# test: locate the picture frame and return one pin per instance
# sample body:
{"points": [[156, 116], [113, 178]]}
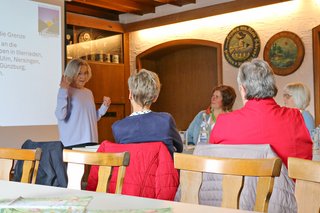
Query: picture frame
{"points": [[284, 52]]}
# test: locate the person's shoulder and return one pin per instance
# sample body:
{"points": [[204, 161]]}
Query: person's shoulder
{"points": [[289, 111], [81, 91], [306, 113], [292, 115], [307, 116], [119, 123], [87, 90], [231, 114], [162, 115], [200, 113]]}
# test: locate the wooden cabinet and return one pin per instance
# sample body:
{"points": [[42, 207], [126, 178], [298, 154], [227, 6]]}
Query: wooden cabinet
{"points": [[94, 44], [105, 47]]}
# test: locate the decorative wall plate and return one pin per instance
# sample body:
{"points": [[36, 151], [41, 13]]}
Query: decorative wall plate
{"points": [[284, 52], [241, 44], [84, 36]]}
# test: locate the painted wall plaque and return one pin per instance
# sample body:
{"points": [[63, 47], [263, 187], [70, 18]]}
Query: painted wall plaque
{"points": [[241, 44], [284, 52]]}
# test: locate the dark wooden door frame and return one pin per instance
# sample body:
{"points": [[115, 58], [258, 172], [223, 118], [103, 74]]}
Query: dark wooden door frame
{"points": [[316, 70], [181, 43]]}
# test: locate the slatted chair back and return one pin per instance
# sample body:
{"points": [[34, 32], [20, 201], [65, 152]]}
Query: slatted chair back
{"points": [[307, 189], [30, 158], [233, 171], [106, 161]]}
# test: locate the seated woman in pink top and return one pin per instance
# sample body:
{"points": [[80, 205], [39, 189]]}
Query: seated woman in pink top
{"points": [[261, 120]]}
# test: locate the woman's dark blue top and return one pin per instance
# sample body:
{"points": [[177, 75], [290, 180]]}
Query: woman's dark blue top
{"points": [[149, 127]]}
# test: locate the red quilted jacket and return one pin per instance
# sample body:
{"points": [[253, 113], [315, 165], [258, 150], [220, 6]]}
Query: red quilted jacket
{"points": [[150, 173]]}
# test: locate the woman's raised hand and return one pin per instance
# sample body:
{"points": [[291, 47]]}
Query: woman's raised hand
{"points": [[64, 83], [106, 101]]}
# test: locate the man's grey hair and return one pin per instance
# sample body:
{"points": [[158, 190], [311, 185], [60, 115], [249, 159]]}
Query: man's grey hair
{"points": [[258, 79], [300, 94], [145, 87]]}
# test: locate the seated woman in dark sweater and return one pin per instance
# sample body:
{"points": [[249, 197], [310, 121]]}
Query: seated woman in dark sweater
{"points": [[144, 125]]}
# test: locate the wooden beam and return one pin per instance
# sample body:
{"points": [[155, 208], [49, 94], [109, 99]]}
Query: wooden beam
{"points": [[91, 11], [213, 10], [125, 6], [92, 22], [181, 2]]}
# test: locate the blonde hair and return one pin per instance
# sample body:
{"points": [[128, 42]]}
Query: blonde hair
{"points": [[300, 94], [145, 87], [74, 66]]}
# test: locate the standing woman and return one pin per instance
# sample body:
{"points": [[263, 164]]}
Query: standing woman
{"points": [[76, 111], [222, 101], [297, 95]]}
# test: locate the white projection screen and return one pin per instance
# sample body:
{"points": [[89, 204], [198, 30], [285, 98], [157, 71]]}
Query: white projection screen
{"points": [[31, 62]]}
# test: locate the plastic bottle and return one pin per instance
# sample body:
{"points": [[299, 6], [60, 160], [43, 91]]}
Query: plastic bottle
{"points": [[204, 130]]}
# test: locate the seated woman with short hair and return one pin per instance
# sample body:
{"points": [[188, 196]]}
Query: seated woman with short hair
{"points": [[297, 95], [144, 125]]}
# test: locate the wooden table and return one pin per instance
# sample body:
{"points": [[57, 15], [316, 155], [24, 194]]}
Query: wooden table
{"points": [[103, 201]]}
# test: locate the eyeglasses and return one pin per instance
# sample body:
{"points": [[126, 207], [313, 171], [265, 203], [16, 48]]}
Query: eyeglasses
{"points": [[287, 96]]}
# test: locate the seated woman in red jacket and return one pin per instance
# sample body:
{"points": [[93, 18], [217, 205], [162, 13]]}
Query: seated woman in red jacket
{"points": [[144, 125], [151, 171], [262, 120]]}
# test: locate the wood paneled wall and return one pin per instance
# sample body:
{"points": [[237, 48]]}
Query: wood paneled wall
{"points": [[187, 73]]}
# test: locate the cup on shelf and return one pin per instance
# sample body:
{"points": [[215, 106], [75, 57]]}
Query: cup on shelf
{"points": [[101, 56], [108, 58], [115, 59]]}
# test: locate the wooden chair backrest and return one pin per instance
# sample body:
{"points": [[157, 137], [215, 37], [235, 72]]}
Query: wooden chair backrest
{"points": [[106, 161], [192, 166], [307, 189], [30, 158]]}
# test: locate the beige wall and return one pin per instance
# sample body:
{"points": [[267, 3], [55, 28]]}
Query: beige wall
{"points": [[298, 16], [15, 136]]}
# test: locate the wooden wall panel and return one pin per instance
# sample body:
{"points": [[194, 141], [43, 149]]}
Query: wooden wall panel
{"points": [[115, 112], [187, 77], [107, 80]]}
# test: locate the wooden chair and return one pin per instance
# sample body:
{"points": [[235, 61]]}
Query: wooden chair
{"points": [[78, 159], [31, 160], [192, 166], [307, 190]]}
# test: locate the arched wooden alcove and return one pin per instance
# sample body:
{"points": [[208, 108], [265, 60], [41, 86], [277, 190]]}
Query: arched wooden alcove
{"points": [[188, 70]]}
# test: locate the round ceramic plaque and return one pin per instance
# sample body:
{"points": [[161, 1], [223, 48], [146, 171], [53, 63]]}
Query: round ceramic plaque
{"points": [[84, 36], [241, 44], [284, 52]]}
